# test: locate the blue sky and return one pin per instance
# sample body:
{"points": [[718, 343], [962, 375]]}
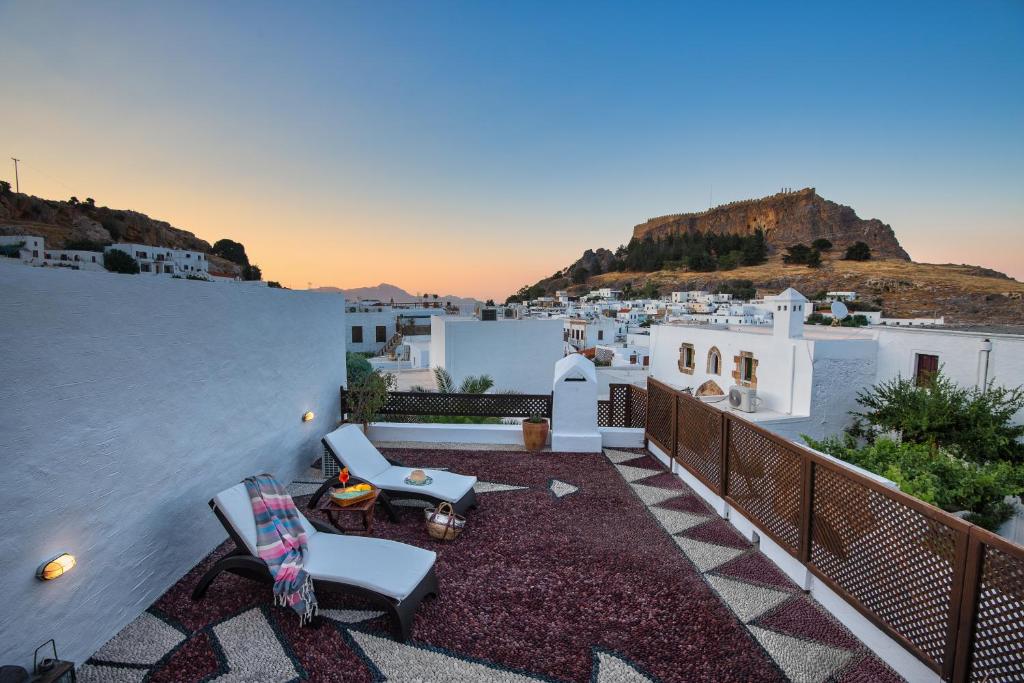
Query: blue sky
{"points": [[471, 148]]}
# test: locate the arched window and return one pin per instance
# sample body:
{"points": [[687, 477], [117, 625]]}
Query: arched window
{"points": [[714, 361]]}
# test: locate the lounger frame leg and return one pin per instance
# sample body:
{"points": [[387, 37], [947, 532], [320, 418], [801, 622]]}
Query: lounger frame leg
{"points": [[389, 508], [237, 562], [402, 614]]}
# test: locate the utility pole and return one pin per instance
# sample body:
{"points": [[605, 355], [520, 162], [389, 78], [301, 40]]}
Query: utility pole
{"points": [[17, 185]]}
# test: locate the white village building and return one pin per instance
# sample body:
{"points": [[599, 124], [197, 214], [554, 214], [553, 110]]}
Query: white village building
{"points": [[32, 251], [806, 378], [165, 261]]}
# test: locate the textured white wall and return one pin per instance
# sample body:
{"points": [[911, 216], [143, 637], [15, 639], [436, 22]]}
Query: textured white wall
{"points": [[517, 354], [126, 403]]}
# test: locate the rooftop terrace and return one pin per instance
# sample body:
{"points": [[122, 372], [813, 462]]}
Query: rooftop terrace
{"points": [[575, 567]]}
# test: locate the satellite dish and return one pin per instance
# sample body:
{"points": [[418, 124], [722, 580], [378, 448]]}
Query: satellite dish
{"points": [[839, 310]]}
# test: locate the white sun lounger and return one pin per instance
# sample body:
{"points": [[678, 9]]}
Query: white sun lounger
{"points": [[394, 575], [350, 447]]}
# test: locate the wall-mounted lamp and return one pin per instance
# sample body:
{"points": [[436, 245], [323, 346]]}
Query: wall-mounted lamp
{"points": [[308, 416], [58, 566]]}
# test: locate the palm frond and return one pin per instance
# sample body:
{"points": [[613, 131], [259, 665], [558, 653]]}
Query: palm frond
{"points": [[444, 381]]}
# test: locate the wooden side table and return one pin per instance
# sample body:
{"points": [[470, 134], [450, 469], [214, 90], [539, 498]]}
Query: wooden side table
{"points": [[363, 508]]}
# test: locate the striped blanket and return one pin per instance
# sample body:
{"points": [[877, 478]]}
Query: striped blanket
{"points": [[281, 543]]}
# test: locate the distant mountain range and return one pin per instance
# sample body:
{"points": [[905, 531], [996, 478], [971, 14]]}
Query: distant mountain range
{"points": [[386, 292]]}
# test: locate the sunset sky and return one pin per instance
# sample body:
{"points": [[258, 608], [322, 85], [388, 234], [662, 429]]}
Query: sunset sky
{"points": [[471, 148]]}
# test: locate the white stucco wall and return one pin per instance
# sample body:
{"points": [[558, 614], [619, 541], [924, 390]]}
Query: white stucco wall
{"points": [[960, 356], [807, 386], [126, 403], [517, 354], [779, 361]]}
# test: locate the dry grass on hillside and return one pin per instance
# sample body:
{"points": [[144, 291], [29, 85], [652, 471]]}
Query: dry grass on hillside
{"points": [[962, 293]]}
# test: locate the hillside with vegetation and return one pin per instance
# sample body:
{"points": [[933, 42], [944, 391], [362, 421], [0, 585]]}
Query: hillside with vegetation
{"points": [[83, 224], [798, 240]]}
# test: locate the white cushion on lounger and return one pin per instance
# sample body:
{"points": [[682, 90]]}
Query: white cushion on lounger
{"points": [[382, 566], [355, 451], [234, 504], [387, 567], [445, 485]]}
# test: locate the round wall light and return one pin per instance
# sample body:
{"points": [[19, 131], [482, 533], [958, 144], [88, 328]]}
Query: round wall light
{"points": [[58, 566], [308, 416]]}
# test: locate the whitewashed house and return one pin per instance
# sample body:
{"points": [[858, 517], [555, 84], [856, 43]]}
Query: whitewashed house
{"points": [[165, 261], [33, 252], [807, 377], [373, 325], [588, 332]]}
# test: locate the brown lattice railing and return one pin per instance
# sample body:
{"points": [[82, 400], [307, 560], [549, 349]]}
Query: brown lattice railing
{"points": [[626, 407], [950, 592], [466, 405]]}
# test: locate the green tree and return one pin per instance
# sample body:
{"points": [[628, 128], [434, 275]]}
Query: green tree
{"points": [[743, 290], [822, 244], [701, 262], [368, 396], [117, 261], [252, 272], [579, 275], [976, 423], [858, 251], [649, 291], [356, 367], [489, 302], [231, 250], [754, 250], [274, 284], [5, 187], [801, 254]]}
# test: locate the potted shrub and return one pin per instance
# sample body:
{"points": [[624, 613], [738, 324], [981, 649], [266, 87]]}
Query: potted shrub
{"points": [[367, 397], [535, 432]]}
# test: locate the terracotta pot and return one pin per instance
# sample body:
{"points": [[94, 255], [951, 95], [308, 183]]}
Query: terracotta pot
{"points": [[535, 435]]}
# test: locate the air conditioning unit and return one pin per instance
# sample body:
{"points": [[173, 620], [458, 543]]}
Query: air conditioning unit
{"points": [[743, 398]]}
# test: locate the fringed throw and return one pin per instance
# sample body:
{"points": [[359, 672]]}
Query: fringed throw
{"points": [[281, 543]]}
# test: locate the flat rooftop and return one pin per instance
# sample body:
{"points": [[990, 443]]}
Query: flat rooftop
{"points": [[575, 567]]}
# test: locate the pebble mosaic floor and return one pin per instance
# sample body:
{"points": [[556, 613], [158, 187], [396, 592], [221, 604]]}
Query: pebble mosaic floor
{"points": [[575, 567]]}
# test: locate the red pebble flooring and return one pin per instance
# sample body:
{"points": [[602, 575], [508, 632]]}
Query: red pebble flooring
{"points": [[594, 571]]}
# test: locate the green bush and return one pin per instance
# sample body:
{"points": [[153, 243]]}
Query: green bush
{"points": [[801, 254], [822, 244], [858, 251], [11, 250], [117, 261], [356, 367], [740, 289], [936, 476], [367, 396], [975, 423]]}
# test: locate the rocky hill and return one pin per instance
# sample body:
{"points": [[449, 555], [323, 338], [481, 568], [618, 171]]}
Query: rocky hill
{"points": [[786, 218], [964, 294], [73, 222]]}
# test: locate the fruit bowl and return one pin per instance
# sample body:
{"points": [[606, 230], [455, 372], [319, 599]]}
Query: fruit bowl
{"points": [[351, 495]]}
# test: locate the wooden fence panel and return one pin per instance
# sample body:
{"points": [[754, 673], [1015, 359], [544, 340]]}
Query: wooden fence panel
{"points": [[947, 590], [699, 441], [765, 481]]}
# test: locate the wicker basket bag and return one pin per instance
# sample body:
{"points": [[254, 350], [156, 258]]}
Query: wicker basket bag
{"points": [[442, 522]]}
